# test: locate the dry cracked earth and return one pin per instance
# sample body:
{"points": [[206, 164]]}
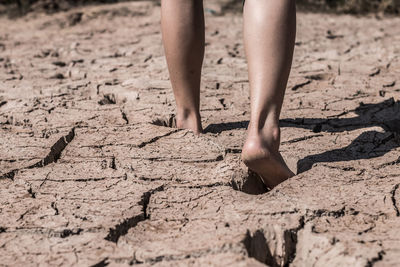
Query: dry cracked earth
{"points": [[92, 174]]}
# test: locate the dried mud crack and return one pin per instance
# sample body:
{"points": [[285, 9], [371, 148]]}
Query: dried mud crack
{"points": [[394, 199], [154, 139], [376, 259], [122, 228], [257, 247], [55, 152]]}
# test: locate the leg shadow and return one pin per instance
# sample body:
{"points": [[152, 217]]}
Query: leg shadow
{"points": [[226, 126], [371, 144]]}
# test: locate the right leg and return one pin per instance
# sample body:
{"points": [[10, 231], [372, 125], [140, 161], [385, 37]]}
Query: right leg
{"points": [[269, 34], [182, 24]]}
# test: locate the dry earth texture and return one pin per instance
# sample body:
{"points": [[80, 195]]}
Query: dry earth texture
{"points": [[92, 174]]}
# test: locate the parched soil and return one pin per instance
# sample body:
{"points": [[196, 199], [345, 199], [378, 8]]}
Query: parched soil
{"points": [[92, 174]]}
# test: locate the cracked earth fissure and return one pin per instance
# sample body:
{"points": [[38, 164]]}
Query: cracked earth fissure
{"points": [[394, 199], [122, 228], [376, 259], [258, 247], [55, 152], [154, 139]]}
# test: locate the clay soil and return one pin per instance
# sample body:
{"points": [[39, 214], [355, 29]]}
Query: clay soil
{"points": [[92, 174]]}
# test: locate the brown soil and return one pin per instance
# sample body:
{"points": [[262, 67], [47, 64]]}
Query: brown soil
{"points": [[92, 174]]}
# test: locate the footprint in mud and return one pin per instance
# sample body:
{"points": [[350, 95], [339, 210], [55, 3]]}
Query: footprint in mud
{"points": [[108, 99], [167, 121], [249, 182]]}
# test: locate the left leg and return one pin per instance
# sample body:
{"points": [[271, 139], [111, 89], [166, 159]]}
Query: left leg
{"points": [[182, 24]]}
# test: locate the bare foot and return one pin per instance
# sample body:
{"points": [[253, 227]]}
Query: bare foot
{"points": [[190, 121], [266, 162]]}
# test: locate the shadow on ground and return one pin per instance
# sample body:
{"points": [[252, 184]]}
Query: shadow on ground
{"points": [[370, 144]]}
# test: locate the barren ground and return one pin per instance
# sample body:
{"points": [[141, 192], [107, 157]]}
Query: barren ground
{"points": [[92, 174]]}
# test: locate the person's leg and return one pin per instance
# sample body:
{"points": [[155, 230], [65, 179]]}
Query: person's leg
{"points": [[269, 35], [182, 24]]}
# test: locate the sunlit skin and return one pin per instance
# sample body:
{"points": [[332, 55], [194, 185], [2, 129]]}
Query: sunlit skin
{"points": [[269, 34], [182, 23]]}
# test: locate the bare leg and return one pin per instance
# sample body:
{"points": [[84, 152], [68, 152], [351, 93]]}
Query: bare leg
{"points": [[269, 34], [182, 24]]}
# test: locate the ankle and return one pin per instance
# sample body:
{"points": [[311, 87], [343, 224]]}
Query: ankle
{"points": [[189, 119], [268, 130], [267, 136], [187, 114]]}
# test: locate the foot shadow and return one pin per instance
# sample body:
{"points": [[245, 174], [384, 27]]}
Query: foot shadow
{"points": [[385, 114], [370, 144], [226, 126]]}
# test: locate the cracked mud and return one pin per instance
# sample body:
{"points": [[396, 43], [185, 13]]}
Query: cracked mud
{"points": [[94, 174]]}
